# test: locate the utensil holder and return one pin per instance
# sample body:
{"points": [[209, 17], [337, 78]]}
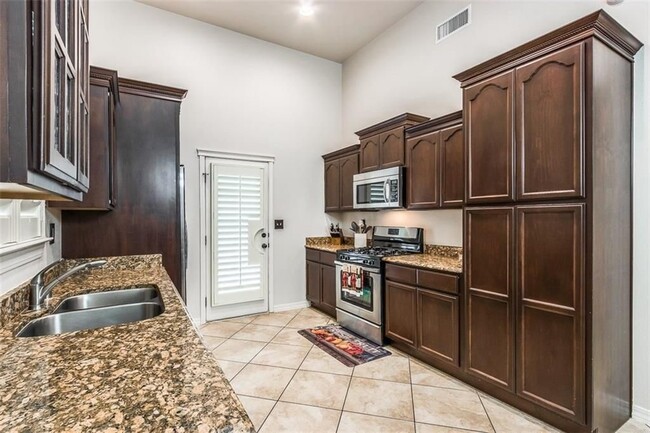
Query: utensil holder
{"points": [[360, 240]]}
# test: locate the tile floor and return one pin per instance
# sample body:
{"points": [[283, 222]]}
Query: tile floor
{"points": [[287, 384]]}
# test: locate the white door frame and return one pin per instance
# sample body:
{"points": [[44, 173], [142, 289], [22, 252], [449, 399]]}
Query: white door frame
{"points": [[204, 156]]}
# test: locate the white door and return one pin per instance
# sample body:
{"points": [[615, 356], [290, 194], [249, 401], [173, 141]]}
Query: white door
{"points": [[238, 238]]}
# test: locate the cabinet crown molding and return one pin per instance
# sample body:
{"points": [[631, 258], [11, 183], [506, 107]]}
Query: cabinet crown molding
{"points": [[106, 78], [350, 150], [406, 119], [442, 122], [151, 90], [598, 24]]}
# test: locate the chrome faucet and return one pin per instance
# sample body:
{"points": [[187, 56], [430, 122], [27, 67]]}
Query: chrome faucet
{"points": [[38, 292]]}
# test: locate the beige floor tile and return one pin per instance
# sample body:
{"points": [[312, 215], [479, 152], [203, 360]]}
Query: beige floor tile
{"points": [[262, 381], [291, 336], [318, 360], [296, 418], [254, 332], [394, 368], [307, 321], [358, 423], [317, 389], [428, 428], [281, 355], [237, 350], [450, 408], [423, 375], [311, 312], [509, 420], [221, 329], [230, 368], [273, 319], [634, 426], [378, 397], [212, 342], [240, 319], [257, 408]]}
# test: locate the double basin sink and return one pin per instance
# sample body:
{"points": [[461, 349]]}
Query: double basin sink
{"points": [[97, 310]]}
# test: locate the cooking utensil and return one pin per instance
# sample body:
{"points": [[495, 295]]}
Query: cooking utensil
{"points": [[355, 227], [367, 229]]}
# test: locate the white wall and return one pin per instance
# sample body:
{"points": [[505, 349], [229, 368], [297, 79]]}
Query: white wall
{"points": [[245, 95], [404, 70]]}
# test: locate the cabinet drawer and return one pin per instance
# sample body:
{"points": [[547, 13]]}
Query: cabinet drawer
{"points": [[437, 281], [400, 274], [313, 255], [327, 258]]}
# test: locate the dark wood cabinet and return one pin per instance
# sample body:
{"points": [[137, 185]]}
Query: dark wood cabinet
{"points": [[401, 304], [489, 295], [435, 172], [547, 274], [103, 97], [549, 115], [383, 144], [321, 280], [422, 312], [147, 219], [340, 167], [44, 62], [489, 147]]}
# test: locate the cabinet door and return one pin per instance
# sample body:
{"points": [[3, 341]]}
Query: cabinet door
{"points": [[328, 289], [438, 325], [489, 295], [369, 154], [332, 185], [549, 122], [423, 159], [489, 143], [83, 75], [313, 282], [391, 148], [550, 284], [349, 167], [452, 167], [401, 321]]}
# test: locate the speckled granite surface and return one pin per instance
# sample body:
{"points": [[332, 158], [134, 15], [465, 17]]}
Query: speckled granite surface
{"points": [[325, 244], [436, 257], [150, 376]]}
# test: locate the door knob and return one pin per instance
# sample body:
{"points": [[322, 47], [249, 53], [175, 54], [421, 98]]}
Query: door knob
{"points": [[263, 235], [265, 246]]}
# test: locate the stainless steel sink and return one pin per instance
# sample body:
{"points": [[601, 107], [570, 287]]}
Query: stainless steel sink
{"points": [[108, 299], [97, 310]]}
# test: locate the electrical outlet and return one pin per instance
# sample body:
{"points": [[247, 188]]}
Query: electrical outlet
{"points": [[279, 224], [52, 233]]}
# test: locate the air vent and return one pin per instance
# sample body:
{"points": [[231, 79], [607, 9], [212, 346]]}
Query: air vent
{"points": [[453, 24]]}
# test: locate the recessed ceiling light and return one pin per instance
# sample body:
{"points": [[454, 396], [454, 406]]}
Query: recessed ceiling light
{"points": [[306, 10]]}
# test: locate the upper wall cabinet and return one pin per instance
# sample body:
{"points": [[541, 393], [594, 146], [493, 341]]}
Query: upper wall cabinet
{"points": [[340, 167], [382, 145], [46, 116], [435, 172]]}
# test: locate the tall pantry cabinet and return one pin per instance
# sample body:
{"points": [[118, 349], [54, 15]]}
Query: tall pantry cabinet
{"points": [[548, 225]]}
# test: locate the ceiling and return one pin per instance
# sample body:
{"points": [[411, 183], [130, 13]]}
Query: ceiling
{"points": [[336, 30]]}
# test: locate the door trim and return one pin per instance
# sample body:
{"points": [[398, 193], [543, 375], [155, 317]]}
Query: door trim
{"points": [[204, 156]]}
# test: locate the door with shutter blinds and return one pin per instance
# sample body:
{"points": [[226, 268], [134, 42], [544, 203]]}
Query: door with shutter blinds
{"points": [[239, 239]]}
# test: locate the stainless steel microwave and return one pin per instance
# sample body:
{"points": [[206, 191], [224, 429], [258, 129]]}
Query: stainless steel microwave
{"points": [[379, 189]]}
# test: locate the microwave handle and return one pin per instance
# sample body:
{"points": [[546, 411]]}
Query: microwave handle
{"points": [[387, 191]]}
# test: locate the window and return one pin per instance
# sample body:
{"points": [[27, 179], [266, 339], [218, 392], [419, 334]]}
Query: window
{"points": [[22, 223]]}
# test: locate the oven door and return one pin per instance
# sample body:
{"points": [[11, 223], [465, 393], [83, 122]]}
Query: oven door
{"points": [[359, 293], [375, 190]]}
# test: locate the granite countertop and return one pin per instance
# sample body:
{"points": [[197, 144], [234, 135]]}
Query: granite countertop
{"points": [[429, 261], [150, 376], [325, 244]]}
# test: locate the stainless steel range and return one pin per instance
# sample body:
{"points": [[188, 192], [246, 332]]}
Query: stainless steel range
{"points": [[360, 279]]}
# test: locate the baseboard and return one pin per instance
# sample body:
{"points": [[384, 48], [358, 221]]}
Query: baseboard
{"points": [[641, 414], [290, 306]]}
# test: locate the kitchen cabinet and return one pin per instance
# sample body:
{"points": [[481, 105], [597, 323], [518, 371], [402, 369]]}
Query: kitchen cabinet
{"points": [[340, 167], [435, 172], [321, 280], [103, 97], [547, 238], [147, 219], [422, 312], [383, 144], [46, 128]]}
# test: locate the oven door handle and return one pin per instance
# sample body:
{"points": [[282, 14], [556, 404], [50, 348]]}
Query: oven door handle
{"points": [[369, 270]]}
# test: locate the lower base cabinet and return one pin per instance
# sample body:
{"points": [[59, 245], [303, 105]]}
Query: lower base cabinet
{"points": [[321, 280], [422, 311]]}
